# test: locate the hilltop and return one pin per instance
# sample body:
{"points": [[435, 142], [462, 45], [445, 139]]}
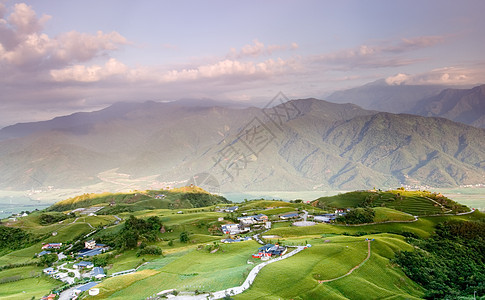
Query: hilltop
{"points": [[418, 203], [177, 198]]}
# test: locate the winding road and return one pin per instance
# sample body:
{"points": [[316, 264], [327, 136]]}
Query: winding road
{"points": [[247, 283]]}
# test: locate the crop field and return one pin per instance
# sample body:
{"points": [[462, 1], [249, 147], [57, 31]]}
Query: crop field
{"points": [[384, 214], [27, 288], [298, 276], [417, 203], [206, 271], [21, 256]]}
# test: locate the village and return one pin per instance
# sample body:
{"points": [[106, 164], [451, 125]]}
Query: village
{"points": [[77, 269]]}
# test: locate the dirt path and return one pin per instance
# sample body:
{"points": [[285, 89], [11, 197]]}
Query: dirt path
{"points": [[353, 269]]}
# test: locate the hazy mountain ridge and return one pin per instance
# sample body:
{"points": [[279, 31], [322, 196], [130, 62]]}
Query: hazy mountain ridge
{"points": [[460, 105], [322, 144], [381, 96]]}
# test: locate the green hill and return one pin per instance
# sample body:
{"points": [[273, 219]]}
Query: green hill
{"points": [[179, 198], [418, 203]]}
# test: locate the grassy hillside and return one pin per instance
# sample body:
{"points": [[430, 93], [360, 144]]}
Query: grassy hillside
{"points": [[186, 197], [298, 277], [321, 271], [419, 203]]}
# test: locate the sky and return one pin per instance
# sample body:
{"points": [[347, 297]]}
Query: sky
{"points": [[60, 57]]}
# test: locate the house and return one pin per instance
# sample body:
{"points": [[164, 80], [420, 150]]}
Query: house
{"points": [[267, 225], [326, 218], [91, 244], [246, 221], [43, 253], [230, 209], [231, 228], [52, 246], [289, 216], [270, 250], [88, 252], [83, 264], [97, 273], [85, 287], [49, 271], [49, 297]]}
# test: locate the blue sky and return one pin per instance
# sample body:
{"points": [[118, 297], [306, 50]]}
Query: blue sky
{"points": [[58, 57]]}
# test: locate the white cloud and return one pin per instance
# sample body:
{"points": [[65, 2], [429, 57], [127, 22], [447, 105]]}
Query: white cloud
{"points": [[398, 79], [22, 43], [93, 73], [443, 76], [258, 49]]}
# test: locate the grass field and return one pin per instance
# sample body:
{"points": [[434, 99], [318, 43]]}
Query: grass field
{"points": [[383, 214], [28, 288], [189, 270], [423, 227], [419, 203], [297, 277]]}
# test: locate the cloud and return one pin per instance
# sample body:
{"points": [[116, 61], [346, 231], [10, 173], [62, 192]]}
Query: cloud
{"points": [[258, 49], [93, 73], [378, 56], [409, 44], [441, 76], [398, 79], [23, 46]]}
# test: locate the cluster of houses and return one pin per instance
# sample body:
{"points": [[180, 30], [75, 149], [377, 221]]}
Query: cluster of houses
{"points": [[270, 250], [245, 223], [91, 248]]}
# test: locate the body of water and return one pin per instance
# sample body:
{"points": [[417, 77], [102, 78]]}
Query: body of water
{"points": [[14, 204]]}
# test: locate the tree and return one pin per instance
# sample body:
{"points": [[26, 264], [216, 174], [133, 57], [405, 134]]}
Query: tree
{"points": [[184, 237]]}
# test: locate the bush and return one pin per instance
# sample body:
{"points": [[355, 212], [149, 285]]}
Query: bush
{"points": [[50, 218], [150, 250]]}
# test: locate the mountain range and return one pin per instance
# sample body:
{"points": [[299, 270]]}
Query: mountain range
{"points": [[460, 105], [301, 144]]}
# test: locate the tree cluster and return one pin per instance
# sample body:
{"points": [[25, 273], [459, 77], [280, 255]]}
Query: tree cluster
{"points": [[50, 218], [151, 250], [135, 229], [358, 216], [203, 199], [13, 238], [449, 264]]}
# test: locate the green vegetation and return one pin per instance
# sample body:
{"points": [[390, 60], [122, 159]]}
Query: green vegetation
{"points": [[186, 197], [13, 238], [451, 263], [183, 250], [358, 216], [49, 218], [298, 277], [419, 203], [28, 288]]}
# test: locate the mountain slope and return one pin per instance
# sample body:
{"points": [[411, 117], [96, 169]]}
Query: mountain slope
{"points": [[380, 96], [299, 145], [460, 105]]}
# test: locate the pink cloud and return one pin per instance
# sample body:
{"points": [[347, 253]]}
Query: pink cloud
{"points": [[22, 43]]}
